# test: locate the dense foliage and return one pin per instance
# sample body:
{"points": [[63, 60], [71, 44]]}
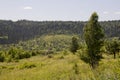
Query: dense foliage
{"points": [[112, 46], [47, 42], [13, 32], [74, 45], [93, 35]]}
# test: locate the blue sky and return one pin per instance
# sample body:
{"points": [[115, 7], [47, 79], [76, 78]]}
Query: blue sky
{"points": [[65, 10]]}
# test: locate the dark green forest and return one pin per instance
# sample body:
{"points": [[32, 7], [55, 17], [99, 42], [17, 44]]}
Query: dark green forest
{"points": [[22, 30]]}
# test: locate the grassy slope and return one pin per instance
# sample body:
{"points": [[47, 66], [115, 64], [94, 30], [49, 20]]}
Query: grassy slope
{"points": [[60, 67]]}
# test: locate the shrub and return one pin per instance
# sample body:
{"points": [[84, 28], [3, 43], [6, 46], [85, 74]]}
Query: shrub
{"points": [[74, 45], [2, 58], [8, 58], [83, 55], [65, 52], [18, 55], [50, 52], [33, 53], [50, 56], [61, 57], [15, 53], [26, 54], [26, 65]]}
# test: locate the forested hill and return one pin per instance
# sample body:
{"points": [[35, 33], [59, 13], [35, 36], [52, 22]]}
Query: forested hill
{"points": [[13, 32]]}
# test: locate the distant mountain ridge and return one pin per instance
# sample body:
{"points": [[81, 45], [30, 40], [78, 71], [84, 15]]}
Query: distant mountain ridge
{"points": [[13, 32]]}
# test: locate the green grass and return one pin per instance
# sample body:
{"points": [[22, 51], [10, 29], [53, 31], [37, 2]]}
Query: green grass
{"points": [[57, 68]]}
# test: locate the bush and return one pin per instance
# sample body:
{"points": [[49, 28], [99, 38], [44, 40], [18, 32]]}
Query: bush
{"points": [[50, 56], [15, 54], [83, 55], [26, 54], [18, 55], [65, 52], [8, 58], [26, 65], [2, 58], [22, 55], [61, 57], [33, 53], [74, 45], [50, 52]]}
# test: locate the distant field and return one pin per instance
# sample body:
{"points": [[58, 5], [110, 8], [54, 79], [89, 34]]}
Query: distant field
{"points": [[61, 66]]}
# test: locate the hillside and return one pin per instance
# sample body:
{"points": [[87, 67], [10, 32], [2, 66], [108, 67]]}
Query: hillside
{"points": [[34, 50], [13, 32], [45, 42]]}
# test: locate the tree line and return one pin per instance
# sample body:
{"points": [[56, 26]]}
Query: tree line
{"points": [[13, 32]]}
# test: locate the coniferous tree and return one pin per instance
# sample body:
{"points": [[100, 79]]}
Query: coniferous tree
{"points": [[93, 35]]}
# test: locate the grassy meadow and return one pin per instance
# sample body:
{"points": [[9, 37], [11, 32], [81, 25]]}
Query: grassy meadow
{"points": [[60, 66]]}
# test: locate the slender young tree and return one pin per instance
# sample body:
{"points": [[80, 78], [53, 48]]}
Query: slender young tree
{"points": [[93, 35], [113, 46], [75, 45]]}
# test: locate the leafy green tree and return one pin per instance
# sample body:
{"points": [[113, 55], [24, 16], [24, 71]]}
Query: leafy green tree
{"points": [[93, 35], [75, 45], [113, 46]]}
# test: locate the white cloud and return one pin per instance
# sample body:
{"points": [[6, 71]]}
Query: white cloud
{"points": [[28, 8], [105, 12], [117, 12]]}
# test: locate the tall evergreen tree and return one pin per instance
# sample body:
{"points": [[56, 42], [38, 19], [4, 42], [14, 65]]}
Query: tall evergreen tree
{"points": [[93, 35]]}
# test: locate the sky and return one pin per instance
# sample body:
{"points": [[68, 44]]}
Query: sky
{"points": [[60, 10]]}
